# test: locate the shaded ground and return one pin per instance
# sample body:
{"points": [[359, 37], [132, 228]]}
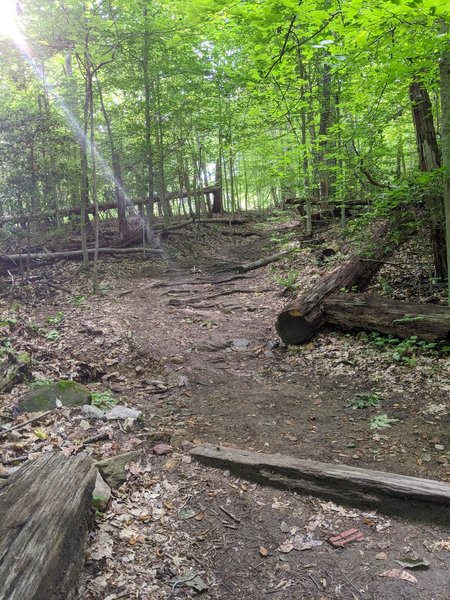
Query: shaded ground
{"points": [[196, 354]]}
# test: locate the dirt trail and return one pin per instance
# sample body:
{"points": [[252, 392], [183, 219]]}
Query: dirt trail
{"points": [[234, 387]]}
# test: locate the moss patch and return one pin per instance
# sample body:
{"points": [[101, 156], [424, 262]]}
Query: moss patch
{"points": [[44, 397]]}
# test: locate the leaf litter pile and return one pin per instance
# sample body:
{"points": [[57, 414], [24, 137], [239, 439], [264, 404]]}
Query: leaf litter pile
{"points": [[173, 528]]}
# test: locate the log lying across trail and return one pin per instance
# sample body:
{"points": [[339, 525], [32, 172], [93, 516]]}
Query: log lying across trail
{"points": [[303, 317], [45, 513], [353, 312], [407, 497]]}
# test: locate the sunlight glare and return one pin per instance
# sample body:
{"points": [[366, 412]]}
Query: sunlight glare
{"points": [[8, 21]]}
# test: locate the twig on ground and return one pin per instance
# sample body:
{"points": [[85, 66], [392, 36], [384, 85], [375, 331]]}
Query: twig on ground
{"points": [[5, 432], [227, 512]]}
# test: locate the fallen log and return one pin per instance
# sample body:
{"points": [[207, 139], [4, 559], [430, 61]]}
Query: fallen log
{"points": [[218, 220], [262, 262], [390, 493], [353, 312], [304, 316], [102, 207], [45, 513], [15, 260]]}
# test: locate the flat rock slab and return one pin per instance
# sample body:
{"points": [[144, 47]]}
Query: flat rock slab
{"points": [[409, 497], [45, 513], [44, 397]]}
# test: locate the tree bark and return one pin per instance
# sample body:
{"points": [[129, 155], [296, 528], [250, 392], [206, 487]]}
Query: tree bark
{"points": [[45, 514], [429, 161], [354, 312], [445, 107]]}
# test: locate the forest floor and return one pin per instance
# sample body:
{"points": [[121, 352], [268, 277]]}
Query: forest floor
{"points": [[193, 346]]}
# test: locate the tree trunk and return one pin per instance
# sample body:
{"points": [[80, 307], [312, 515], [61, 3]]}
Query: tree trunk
{"points": [[429, 160], [445, 104], [303, 317], [148, 124], [217, 195], [124, 229], [354, 312]]}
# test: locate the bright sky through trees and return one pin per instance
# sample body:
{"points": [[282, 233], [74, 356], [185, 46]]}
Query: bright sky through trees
{"points": [[8, 19]]}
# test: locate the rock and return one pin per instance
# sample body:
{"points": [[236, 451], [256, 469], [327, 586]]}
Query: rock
{"points": [[122, 412], [15, 367], [92, 412], [162, 449], [269, 354], [44, 397], [156, 435], [101, 494], [85, 424], [177, 438], [113, 470], [240, 344], [272, 344], [187, 446]]}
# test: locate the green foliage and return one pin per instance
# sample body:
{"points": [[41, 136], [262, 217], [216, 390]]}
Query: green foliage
{"points": [[53, 335], [289, 280], [78, 300], [369, 400], [103, 400], [381, 422], [407, 350], [56, 319]]}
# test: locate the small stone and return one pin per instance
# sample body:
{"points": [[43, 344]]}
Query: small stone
{"points": [[102, 494], [186, 446], [381, 556], [122, 412], [92, 412], [139, 369], [177, 360], [85, 424], [272, 344], [439, 447], [240, 344], [14, 436], [162, 449], [269, 354]]}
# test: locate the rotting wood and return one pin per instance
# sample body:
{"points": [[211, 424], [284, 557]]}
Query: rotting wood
{"points": [[14, 260], [263, 262], [408, 497], [45, 513], [353, 312], [303, 317]]}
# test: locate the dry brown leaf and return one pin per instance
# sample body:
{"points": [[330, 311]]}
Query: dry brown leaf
{"points": [[263, 551], [399, 574]]}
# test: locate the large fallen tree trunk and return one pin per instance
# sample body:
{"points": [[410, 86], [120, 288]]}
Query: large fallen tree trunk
{"points": [[102, 207], [11, 261], [45, 513], [353, 312], [303, 317], [411, 497]]}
